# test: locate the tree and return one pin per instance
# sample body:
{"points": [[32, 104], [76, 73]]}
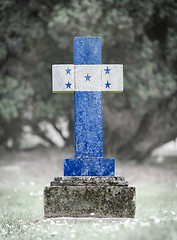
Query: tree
{"points": [[141, 35]]}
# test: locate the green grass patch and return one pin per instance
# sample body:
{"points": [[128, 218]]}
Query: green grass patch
{"points": [[21, 216]]}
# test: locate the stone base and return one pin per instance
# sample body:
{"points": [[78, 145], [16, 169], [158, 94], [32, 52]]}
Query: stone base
{"points": [[106, 197]]}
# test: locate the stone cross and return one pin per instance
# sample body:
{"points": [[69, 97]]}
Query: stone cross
{"points": [[88, 78]]}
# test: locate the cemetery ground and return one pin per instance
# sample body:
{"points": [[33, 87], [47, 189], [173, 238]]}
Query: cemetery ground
{"points": [[24, 174]]}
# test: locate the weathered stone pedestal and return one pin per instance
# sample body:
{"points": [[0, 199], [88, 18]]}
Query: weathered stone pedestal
{"points": [[89, 197]]}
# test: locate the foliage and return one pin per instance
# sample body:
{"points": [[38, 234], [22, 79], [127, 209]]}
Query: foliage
{"points": [[35, 34]]}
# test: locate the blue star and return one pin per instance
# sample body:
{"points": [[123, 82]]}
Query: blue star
{"points": [[107, 84], [68, 85], [68, 71], [107, 70], [87, 78]]}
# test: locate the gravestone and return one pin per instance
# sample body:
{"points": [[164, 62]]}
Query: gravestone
{"points": [[89, 187]]}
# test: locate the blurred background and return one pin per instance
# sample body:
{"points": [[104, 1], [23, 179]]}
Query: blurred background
{"points": [[141, 35], [37, 127]]}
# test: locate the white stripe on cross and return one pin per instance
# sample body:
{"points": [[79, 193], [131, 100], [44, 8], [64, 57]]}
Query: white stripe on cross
{"points": [[70, 78]]}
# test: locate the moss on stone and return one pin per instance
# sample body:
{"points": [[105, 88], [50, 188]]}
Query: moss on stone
{"points": [[68, 200]]}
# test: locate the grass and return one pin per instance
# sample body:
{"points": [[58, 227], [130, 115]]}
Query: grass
{"points": [[21, 206], [21, 216]]}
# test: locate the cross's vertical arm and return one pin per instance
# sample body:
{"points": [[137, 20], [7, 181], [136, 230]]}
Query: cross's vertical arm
{"points": [[88, 104]]}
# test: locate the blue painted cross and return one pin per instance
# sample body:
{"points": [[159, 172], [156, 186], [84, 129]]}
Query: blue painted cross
{"points": [[87, 78]]}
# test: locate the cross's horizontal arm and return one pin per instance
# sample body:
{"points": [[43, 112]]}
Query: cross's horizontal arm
{"points": [[70, 78]]}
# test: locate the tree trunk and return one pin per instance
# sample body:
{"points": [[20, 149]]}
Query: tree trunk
{"points": [[134, 137]]}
